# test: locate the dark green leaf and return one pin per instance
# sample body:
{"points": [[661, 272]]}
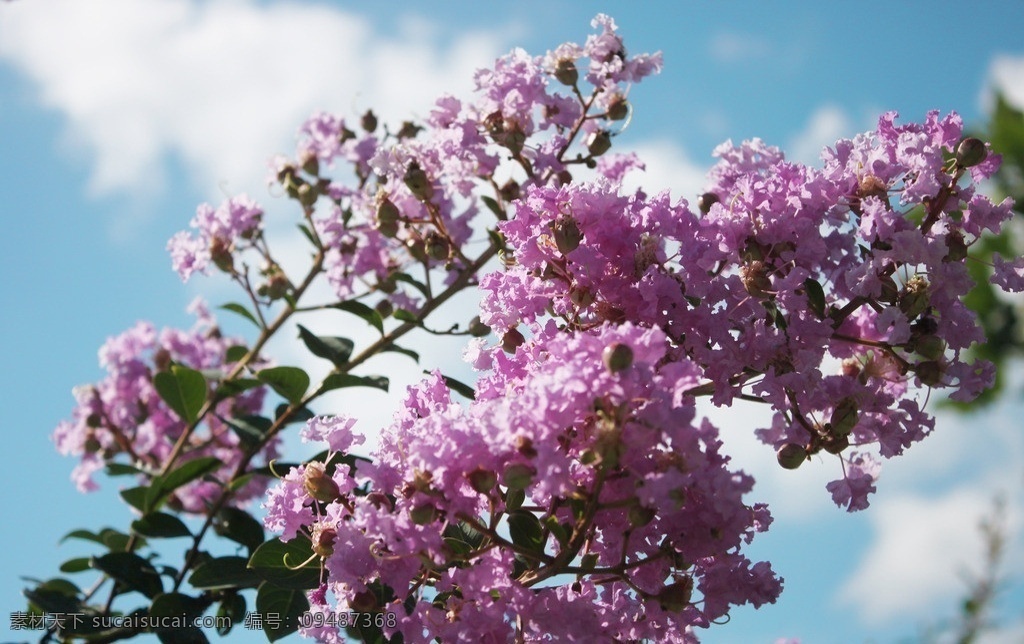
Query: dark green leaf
{"points": [[115, 540], [308, 234], [336, 349], [250, 429], [492, 205], [183, 389], [290, 382], [514, 499], [53, 601], [160, 525], [132, 571], [405, 316], [236, 352], [164, 486], [363, 311], [287, 604], [75, 565], [406, 352], [815, 296], [415, 283], [85, 535], [136, 497], [458, 387], [298, 415], [274, 561], [121, 469], [234, 387], [526, 531], [239, 526], [174, 606], [224, 572], [341, 380], [234, 307], [233, 608]]}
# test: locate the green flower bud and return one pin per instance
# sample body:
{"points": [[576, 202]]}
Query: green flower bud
{"points": [[617, 357], [384, 308], [567, 234], [518, 476], [706, 200], [512, 340], [970, 152], [422, 514], [478, 329], [930, 346], [418, 183], [618, 108], [755, 279], [676, 597], [599, 143], [566, 72], [319, 484], [369, 121], [482, 480], [930, 372], [438, 248], [639, 516], [956, 245], [791, 456]]}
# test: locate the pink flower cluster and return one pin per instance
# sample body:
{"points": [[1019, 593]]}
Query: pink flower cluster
{"points": [[579, 497], [220, 229], [592, 451], [123, 419]]}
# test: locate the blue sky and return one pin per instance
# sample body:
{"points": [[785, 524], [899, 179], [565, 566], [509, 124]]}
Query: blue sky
{"points": [[117, 118]]}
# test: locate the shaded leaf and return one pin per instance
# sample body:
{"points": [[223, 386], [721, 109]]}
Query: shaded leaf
{"points": [[287, 604], [368, 314], [224, 572], [342, 380], [160, 525], [274, 561], [132, 571], [336, 349], [290, 382], [235, 307], [239, 526], [183, 389]]}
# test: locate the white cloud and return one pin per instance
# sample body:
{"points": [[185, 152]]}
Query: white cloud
{"points": [[1006, 75], [924, 546], [220, 86], [730, 47], [668, 167], [826, 125]]}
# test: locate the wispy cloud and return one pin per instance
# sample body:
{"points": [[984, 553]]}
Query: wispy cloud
{"points": [[732, 47], [1005, 75], [826, 124], [220, 86]]}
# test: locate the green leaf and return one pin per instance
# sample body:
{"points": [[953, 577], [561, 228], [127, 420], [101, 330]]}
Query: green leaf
{"points": [[173, 606], [136, 497], [526, 530], [403, 315], [368, 314], [160, 525], [164, 486], [415, 283], [298, 415], [394, 348], [234, 307], [287, 604], [132, 571], [77, 564], [250, 429], [224, 572], [342, 380], [232, 607], [234, 387], [336, 349], [115, 540], [183, 389], [458, 387], [274, 561], [492, 205], [309, 235], [815, 296], [122, 469], [239, 526], [290, 382], [53, 601], [514, 499], [84, 535], [236, 352]]}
